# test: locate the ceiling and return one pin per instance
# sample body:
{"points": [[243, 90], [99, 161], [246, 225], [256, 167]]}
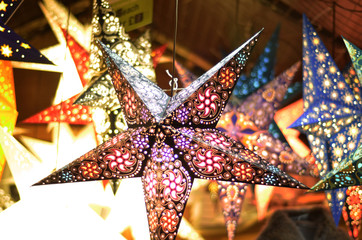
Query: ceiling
{"points": [[207, 30]]}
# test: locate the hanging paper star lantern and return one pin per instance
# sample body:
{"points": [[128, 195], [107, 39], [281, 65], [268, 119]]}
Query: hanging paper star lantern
{"points": [[231, 198], [20, 161], [332, 114], [8, 113], [12, 46], [347, 173], [262, 72], [65, 145], [171, 141]]}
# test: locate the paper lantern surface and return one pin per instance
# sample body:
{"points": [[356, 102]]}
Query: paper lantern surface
{"points": [[262, 72], [8, 113], [248, 122], [171, 141], [231, 199], [332, 114]]}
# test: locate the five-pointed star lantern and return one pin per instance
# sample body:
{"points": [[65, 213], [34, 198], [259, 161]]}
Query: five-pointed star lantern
{"points": [[346, 173], [12, 46], [171, 141], [64, 201], [349, 171], [332, 113]]}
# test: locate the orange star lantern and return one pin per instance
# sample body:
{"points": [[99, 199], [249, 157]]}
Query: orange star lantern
{"points": [[8, 113]]}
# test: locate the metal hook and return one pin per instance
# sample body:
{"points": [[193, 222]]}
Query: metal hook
{"points": [[173, 82]]}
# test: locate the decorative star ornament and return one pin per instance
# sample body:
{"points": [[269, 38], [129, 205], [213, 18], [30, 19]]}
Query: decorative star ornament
{"points": [[348, 173], [332, 113], [171, 141], [12, 46]]}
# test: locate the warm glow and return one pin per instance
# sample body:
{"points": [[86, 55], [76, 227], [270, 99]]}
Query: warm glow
{"points": [[263, 195], [63, 148], [315, 41], [284, 118]]}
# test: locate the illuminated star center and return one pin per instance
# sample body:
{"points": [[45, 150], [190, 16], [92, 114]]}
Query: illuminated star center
{"points": [[341, 138], [348, 98], [332, 69], [353, 131], [337, 151], [6, 50], [315, 41], [3, 6], [321, 57], [2, 29], [327, 83]]}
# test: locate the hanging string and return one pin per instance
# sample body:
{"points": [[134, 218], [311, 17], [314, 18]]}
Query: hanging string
{"points": [[174, 80], [13, 12], [334, 28]]}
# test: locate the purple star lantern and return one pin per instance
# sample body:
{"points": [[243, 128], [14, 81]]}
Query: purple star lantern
{"points": [[168, 151]]}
